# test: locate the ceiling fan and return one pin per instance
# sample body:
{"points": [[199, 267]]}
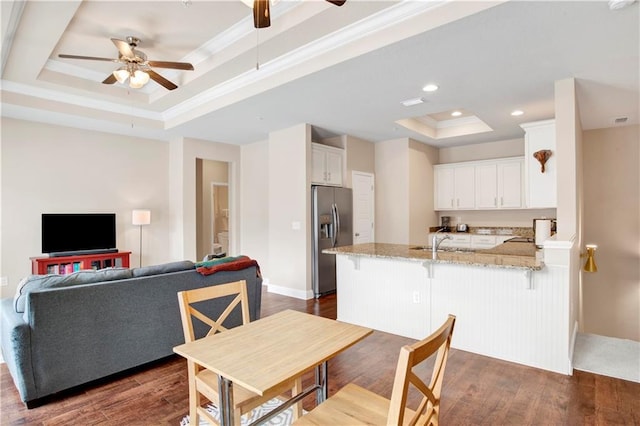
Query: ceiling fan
{"points": [[262, 15], [136, 67]]}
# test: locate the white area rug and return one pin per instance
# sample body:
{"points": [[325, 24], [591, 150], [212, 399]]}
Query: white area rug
{"points": [[283, 419], [608, 356]]}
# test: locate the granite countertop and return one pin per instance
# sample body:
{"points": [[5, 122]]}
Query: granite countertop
{"points": [[507, 255]]}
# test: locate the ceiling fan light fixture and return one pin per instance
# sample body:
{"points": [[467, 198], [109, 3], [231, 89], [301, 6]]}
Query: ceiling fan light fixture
{"points": [[121, 74], [138, 79]]}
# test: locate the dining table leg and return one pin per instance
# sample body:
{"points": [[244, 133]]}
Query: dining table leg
{"points": [[322, 383], [225, 401]]}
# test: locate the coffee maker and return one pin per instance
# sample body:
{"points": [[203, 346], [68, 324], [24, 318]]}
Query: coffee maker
{"points": [[445, 223]]}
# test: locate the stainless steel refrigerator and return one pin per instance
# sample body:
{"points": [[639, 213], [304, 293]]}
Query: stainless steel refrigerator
{"points": [[331, 227]]}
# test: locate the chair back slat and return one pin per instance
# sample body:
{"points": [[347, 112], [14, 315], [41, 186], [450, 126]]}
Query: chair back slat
{"points": [[187, 298], [410, 356]]}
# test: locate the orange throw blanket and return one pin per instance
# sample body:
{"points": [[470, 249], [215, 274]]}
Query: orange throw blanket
{"points": [[227, 264]]}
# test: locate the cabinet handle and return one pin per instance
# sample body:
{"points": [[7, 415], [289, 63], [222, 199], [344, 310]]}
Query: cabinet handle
{"points": [[495, 201], [452, 202], [329, 176], [325, 175], [458, 202], [501, 201]]}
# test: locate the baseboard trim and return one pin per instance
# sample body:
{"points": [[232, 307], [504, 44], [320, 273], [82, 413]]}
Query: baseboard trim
{"points": [[291, 292]]}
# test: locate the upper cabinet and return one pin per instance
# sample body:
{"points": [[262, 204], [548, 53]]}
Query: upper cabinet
{"points": [[484, 185], [499, 184], [326, 165], [454, 187], [540, 186]]}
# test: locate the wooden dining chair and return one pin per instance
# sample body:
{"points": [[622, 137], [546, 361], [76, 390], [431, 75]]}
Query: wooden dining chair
{"points": [[354, 405], [205, 382]]}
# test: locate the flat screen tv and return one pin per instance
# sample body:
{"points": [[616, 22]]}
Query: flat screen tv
{"points": [[65, 234]]}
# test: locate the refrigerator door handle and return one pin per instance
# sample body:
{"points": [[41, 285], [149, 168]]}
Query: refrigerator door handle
{"points": [[337, 222]]}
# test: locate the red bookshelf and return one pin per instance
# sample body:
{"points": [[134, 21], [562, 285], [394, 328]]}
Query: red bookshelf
{"points": [[67, 264]]}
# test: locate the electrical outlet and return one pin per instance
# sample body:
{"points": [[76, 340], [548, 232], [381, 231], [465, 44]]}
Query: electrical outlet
{"points": [[4, 281], [416, 297], [295, 226]]}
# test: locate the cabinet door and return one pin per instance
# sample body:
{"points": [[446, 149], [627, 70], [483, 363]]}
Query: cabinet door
{"points": [[486, 186], [444, 189], [465, 190], [510, 184], [318, 166], [334, 168]]}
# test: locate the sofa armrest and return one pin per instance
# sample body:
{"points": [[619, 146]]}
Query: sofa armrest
{"points": [[15, 341]]}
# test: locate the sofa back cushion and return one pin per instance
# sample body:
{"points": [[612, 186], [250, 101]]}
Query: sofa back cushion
{"points": [[38, 282], [145, 271]]}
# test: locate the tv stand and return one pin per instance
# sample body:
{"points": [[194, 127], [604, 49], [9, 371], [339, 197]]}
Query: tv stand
{"points": [[63, 265]]}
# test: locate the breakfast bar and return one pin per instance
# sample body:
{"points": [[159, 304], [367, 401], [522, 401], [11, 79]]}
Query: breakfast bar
{"points": [[509, 304]]}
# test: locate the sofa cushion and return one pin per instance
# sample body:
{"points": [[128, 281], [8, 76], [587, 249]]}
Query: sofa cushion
{"points": [[37, 282], [34, 282], [182, 265], [89, 276]]}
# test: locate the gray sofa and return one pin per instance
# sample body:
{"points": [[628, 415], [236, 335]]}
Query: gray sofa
{"points": [[77, 331]]}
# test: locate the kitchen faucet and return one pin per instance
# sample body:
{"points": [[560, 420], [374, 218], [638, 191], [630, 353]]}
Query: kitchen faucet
{"points": [[435, 243]]}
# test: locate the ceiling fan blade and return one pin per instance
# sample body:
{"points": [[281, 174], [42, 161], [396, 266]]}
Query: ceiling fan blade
{"points": [[161, 80], [337, 2], [261, 14], [92, 58], [174, 65], [109, 80], [124, 48]]}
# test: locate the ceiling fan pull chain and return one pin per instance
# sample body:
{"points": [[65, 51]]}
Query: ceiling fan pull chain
{"points": [[257, 51]]}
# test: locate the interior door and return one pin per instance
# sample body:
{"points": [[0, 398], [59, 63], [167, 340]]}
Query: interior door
{"points": [[363, 207]]}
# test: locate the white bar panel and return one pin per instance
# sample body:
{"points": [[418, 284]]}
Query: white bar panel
{"points": [[387, 295]]}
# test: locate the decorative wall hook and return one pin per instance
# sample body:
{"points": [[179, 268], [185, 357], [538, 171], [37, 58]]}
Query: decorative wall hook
{"points": [[542, 156]]}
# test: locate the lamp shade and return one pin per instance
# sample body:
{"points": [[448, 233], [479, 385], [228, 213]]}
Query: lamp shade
{"points": [[141, 217], [121, 74]]}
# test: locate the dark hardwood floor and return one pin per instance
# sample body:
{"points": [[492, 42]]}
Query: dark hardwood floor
{"points": [[477, 390]]}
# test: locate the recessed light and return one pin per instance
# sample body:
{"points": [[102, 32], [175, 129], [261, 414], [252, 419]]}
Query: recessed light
{"points": [[413, 101], [456, 114], [430, 87], [517, 113]]}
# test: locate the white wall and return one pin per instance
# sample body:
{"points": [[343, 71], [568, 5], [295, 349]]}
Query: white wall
{"points": [[422, 157], [482, 151], [53, 169], [289, 176], [359, 156], [611, 220], [392, 191], [254, 203]]}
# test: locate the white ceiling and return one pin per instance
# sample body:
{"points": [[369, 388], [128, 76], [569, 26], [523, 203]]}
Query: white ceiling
{"points": [[343, 70]]}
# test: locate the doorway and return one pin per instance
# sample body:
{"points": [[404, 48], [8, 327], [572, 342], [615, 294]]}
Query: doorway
{"points": [[213, 208], [363, 207]]}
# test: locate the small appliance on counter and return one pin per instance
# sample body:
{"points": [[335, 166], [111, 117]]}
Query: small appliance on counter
{"points": [[445, 223], [462, 227], [542, 229]]}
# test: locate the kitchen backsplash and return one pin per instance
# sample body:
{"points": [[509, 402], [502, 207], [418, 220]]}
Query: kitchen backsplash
{"points": [[490, 230]]}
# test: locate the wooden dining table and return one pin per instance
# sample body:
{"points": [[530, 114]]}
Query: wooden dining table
{"points": [[264, 354]]}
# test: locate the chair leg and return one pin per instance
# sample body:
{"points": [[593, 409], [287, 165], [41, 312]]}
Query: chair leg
{"points": [[297, 407], [194, 396]]}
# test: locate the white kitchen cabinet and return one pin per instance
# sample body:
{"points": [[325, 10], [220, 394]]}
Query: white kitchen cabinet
{"points": [[469, 241], [454, 187], [326, 165], [499, 184], [487, 184], [540, 188], [483, 241], [457, 240]]}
